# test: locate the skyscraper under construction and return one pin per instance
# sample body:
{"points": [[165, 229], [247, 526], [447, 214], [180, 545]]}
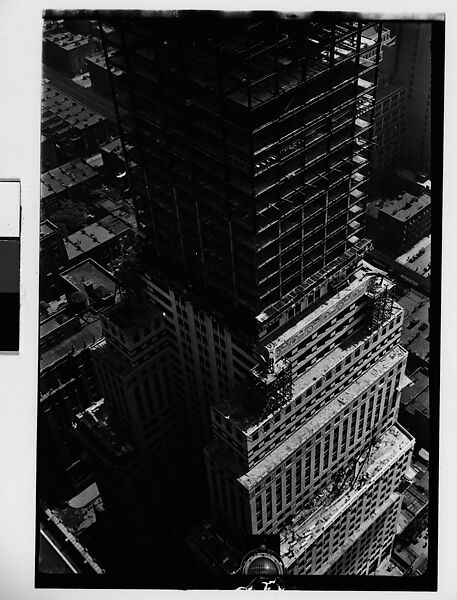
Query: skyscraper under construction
{"points": [[247, 144]]}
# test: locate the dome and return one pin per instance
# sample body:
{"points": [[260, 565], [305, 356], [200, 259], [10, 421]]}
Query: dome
{"points": [[263, 566]]}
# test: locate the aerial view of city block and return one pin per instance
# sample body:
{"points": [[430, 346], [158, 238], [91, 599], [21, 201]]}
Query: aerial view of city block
{"points": [[235, 267]]}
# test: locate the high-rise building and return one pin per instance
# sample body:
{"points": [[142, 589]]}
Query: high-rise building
{"points": [[248, 143], [408, 63], [130, 434]]}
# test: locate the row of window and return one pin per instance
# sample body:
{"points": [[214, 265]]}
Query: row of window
{"points": [[360, 512], [359, 555], [343, 427], [316, 402]]}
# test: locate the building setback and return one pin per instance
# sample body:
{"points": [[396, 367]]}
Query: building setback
{"points": [[251, 140]]}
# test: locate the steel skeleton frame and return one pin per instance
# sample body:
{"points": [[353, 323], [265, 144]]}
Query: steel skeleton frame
{"points": [[245, 194]]}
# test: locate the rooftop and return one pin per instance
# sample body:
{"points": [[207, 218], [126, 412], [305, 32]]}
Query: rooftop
{"points": [[114, 147], [52, 306], [95, 161], [69, 41], [90, 272], [420, 179], [47, 228], [66, 176], [405, 205], [89, 333], [418, 259], [416, 329], [99, 59], [419, 403], [419, 384], [50, 324], [79, 513], [127, 215], [416, 496], [306, 526], [55, 103], [93, 235]]}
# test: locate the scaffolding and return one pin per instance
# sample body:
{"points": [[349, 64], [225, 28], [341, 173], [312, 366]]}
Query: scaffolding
{"points": [[266, 388], [380, 304], [278, 388]]}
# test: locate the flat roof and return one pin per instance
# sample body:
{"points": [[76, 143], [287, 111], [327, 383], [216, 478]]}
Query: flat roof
{"points": [[405, 205], [114, 224], [128, 216], [69, 41], [416, 328], [108, 205], [416, 495], [419, 258], [99, 59], [93, 235], [420, 404], [52, 307], [87, 496], [54, 321], [46, 228], [114, 147], [419, 382], [95, 161], [55, 104], [86, 336], [89, 272], [422, 180], [66, 176]]}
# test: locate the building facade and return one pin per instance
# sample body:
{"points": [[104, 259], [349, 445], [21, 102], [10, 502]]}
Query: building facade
{"points": [[71, 129], [397, 224], [67, 51], [389, 130], [408, 63]]}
